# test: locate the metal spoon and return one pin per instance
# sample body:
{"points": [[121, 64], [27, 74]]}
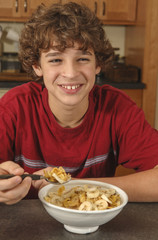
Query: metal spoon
{"points": [[33, 176]]}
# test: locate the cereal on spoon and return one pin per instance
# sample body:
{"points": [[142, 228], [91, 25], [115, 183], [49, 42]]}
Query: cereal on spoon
{"points": [[57, 175]]}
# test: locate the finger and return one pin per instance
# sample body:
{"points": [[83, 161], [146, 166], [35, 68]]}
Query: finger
{"points": [[7, 184], [2, 171], [38, 184], [41, 172], [48, 168], [12, 167], [16, 194]]}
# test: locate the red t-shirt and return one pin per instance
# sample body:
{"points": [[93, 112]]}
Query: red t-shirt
{"points": [[114, 131]]}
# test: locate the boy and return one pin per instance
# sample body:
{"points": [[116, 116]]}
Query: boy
{"points": [[63, 119]]}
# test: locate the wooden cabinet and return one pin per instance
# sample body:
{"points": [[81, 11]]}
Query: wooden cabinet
{"points": [[20, 10], [8, 8], [135, 95], [112, 11], [109, 11], [141, 49], [29, 6]]}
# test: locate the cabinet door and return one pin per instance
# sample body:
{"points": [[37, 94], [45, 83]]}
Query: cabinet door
{"points": [[106, 10], [116, 10], [9, 8], [29, 6], [111, 10]]}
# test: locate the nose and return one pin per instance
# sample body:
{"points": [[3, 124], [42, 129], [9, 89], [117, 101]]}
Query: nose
{"points": [[70, 70]]}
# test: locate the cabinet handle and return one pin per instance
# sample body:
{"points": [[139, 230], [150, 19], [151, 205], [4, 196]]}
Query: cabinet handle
{"points": [[95, 7], [25, 6], [16, 6], [104, 8]]}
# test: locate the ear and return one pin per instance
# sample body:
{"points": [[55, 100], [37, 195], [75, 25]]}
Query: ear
{"points": [[98, 68], [37, 70]]}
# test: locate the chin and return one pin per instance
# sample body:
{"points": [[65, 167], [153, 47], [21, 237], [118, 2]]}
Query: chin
{"points": [[72, 101]]}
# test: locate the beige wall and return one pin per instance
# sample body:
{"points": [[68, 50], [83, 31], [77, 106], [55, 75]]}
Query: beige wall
{"points": [[8, 45], [3, 91], [116, 35]]}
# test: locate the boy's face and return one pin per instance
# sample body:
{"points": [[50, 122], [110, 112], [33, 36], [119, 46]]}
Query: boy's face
{"points": [[69, 75]]}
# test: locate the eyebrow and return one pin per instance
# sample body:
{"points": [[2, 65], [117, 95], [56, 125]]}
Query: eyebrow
{"points": [[52, 54], [58, 53]]}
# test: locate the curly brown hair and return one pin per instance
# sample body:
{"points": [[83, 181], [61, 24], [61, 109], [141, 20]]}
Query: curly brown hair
{"points": [[65, 24]]}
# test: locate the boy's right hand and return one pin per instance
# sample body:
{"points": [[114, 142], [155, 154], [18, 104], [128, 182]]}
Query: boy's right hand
{"points": [[14, 189]]}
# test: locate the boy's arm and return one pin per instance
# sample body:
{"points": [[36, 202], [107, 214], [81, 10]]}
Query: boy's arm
{"points": [[140, 187]]}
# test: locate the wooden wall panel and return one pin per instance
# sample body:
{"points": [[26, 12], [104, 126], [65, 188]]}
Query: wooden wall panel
{"points": [[142, 50]]}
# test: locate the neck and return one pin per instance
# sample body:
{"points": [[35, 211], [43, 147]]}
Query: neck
{"points": [[69, 116]]}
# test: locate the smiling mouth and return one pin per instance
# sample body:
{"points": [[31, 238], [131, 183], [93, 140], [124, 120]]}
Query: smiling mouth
{"points": [[69, 87]]}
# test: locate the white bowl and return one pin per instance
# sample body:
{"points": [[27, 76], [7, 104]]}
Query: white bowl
{"points": [[82, 222]]}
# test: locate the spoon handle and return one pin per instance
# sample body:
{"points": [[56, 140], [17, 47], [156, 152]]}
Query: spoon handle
{"points": [[33, 176]]}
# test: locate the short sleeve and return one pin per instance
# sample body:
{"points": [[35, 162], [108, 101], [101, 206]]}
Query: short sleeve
{"points": [[137, 140], [7, 134]]}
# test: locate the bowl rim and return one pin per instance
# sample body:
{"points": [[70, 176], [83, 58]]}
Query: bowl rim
{"points": [[83, 181]]}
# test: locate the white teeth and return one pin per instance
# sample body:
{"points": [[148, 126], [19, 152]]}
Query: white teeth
{"points": [[70, 87]]}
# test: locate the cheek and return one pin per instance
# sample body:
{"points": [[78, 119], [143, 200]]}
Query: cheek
{"points": [[49, 77], [46, 77], [91, 70]]}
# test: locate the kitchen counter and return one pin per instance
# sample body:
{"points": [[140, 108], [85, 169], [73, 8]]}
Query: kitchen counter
{"points": [[124, 85], [139, 85], [12, 80], [9, 80], [29, 220], [133, 89]]}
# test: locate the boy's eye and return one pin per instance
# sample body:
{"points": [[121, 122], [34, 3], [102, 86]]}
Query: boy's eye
{"points": [[83, 59], [55, 60]]}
